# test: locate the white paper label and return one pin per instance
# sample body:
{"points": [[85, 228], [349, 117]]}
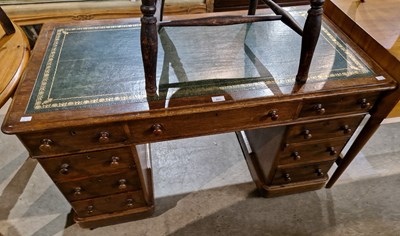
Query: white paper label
{"points": [[218, 99], [25, 119], [380, 77]]}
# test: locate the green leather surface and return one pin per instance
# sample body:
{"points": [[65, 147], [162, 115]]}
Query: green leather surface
{"points": [[102, 65]]}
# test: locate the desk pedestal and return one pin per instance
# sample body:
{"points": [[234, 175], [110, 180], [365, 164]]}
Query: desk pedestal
{"points": [[295, 158]]}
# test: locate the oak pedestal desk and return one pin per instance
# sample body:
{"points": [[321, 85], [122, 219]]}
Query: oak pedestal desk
{"points": [[81, 109]]}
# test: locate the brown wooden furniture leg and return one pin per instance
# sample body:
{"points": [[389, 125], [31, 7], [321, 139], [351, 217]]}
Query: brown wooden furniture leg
{"points": [[252, 7], [311, 31], [287, 19], [149, 44]]}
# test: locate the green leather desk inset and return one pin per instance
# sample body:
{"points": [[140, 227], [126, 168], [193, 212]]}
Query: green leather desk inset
{"points": [[81, 109], [76, 74]]}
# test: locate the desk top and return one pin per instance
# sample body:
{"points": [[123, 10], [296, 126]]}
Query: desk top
{"points": [[92, 72], [101, 65]]}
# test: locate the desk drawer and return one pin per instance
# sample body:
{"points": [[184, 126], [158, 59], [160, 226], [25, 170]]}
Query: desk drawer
{"points": [[323, 129], [211, 122], [74, 139], [332, 105], [109, 204], [100, 186], [303, 173], [88, 164], [317, 152]]}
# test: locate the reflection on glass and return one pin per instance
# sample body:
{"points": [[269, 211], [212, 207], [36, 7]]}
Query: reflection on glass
{"points": [[248, 57], [102, 65]]}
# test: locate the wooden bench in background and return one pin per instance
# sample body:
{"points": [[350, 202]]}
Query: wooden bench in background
{"points": [[25, 12]]}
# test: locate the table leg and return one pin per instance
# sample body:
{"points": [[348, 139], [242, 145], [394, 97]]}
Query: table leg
{"points": [[311, 31], [149, 44]]}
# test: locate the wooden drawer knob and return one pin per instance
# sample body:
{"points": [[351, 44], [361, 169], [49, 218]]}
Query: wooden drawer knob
{"points": [[319, 109], [122, 184], [46, 145], [114, 161], [346, 129], [307, 134], [104, 137], [296, 156], [319, 172], [157, 129], [90, 209], [77, 191], [332, 151], [287, 178], [364, 104], [273, 114], [130, 202], [64, 168]]}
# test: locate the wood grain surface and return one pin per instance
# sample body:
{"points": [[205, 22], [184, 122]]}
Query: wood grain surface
{"points": [[374, 26], [14, 55], [29, 14]]}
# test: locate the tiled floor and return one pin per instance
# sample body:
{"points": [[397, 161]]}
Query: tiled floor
{"points": [[203, 187]]}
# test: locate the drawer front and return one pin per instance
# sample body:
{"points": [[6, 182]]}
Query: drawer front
{"points": [[109, 204], [354, 103], [211, 122], [303, 173], [317, 152], [66, 168], [100, 186], [74, 139], [323, 129]]}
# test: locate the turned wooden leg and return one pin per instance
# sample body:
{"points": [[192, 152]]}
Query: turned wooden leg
{"points": [[252, 7], [149, 44], [311, 31]]}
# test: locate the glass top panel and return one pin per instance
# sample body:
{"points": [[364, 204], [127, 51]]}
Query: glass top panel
{"points": [[102, 65]]}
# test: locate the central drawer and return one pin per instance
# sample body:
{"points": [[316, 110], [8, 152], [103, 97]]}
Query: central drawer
{"points": [[211, 122]]}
